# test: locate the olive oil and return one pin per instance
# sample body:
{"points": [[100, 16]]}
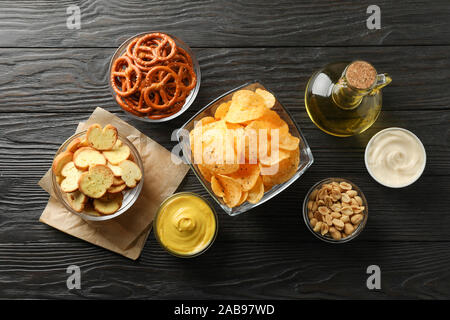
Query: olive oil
{"points": [[344, 99]]}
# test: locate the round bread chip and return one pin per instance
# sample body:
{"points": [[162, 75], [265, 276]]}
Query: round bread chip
{"points": [[109, 204], [222, 110], [116, 189], [246, 176], [217, 187], [131, 173], [96, 182], [245, 106], [77, 200], [257, 192], [85, 157], [71, 176], [89, 210], [74, 145], [269, 98], [117, 181], [232, 191], [118, 153], [115, 169], [101, 139], [59, 179], [60, 161]]}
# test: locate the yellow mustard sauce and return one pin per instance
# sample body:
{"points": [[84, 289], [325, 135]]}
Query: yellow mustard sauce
{"points": [[186, 224]]}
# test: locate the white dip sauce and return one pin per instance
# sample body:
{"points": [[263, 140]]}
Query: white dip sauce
{"points": [[395, 157]]}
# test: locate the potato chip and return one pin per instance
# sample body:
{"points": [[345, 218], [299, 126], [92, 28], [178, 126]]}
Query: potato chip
{"points": [[257, 192], [246, 175], [217, 187], [269, 99], [205, 172], [204, 121], [269, 158], [231, 189], [219, 156], [243, 198], [282, 171], [269, 120], [288, 142], [222, 110], [245, 106]]}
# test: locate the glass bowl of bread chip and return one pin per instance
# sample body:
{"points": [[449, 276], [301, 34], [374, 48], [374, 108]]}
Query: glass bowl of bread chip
{"points": [[245, 148], [94, 180]]}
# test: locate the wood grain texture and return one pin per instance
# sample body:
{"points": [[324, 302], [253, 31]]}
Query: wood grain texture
{"points": [[76, 80], [53, 77], [240, 271], [225, 23]]}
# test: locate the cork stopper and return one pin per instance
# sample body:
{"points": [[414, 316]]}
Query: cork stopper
{"points": [[360, 75]]}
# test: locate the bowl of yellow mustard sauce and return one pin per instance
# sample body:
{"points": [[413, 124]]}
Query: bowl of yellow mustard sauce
{"points": [[185, 225]]}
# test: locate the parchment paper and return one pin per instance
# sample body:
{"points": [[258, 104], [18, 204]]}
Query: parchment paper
{"points": [[127, 233]]}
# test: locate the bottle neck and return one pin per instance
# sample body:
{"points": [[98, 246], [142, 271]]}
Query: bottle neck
{"points": [[347, 97], [358, 80]]}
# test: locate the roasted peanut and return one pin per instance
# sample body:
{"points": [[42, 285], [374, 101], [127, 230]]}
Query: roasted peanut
{"points": [[347, 211], [336, 215], [317, 226], [328, 219], [345, 185], [351, 193], [310, 204], [313, 222], [336, 235], [339, 225], [348, 228], [323, 229], [345, 198], [345, 218], [323, 210], [356, 219]]}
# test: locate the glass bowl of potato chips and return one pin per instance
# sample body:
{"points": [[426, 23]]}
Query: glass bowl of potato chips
{"points": [[244, 147]]}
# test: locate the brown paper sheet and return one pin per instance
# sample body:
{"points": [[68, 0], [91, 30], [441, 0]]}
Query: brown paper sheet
{"points": [[127, 233]]}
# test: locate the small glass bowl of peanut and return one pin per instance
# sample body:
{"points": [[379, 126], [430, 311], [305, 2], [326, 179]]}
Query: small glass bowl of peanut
{"points": [[335, 210]]}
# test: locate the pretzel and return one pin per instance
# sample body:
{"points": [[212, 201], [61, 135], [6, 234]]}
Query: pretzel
{"points": [[128, 74], [153, 77]]}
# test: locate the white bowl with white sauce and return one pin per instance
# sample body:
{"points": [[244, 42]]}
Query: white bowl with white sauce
{"points": [[395, 157]]}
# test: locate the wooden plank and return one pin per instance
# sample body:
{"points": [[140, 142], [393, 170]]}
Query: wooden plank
{"points": [[75, 80], [28, 143], [241, 270], [225, 23]]}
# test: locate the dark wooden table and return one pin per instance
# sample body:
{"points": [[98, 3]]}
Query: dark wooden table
{"points": [[52, 77]]}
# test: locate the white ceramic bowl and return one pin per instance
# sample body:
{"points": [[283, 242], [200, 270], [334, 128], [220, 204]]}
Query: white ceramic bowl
{"points": [[366, 155]]}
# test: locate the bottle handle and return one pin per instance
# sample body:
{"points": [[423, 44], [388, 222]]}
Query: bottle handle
{"points": [[382, 80]]}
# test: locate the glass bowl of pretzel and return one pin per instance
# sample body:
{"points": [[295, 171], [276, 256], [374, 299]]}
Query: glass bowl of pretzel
{"points": [[154, 76], [97, 174]]}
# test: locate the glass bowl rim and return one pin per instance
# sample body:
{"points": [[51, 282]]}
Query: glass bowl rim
{"points": [[155, 220], [284, 185], [359, 228], [193, 93], [59, 193]]}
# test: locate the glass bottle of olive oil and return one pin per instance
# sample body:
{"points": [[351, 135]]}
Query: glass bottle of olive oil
{"points": [[344, 99]]}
